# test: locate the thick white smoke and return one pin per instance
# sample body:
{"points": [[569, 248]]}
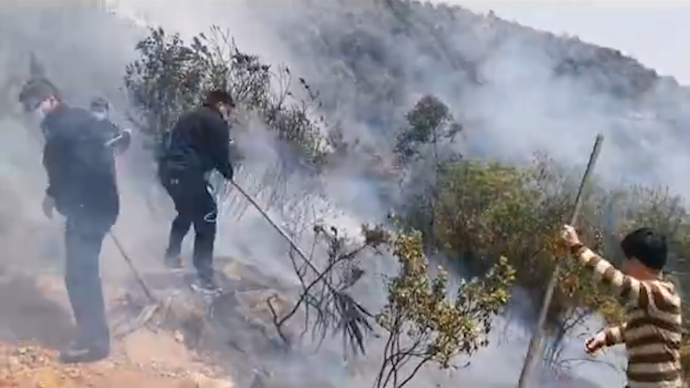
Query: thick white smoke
{"points": [[516, 107]]}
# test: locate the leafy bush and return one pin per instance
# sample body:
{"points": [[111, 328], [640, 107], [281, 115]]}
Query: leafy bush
{"points": [[488, 209], [428, 322], [171, 77], [481, 211], [425, 321]]}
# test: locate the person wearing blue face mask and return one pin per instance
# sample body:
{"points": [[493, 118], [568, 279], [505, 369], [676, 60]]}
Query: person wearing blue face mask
{"points": [[82, 187], [118, 139]]}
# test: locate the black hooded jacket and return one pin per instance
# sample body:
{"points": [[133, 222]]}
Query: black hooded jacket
{"points": [[198, 143], [80, 166]]}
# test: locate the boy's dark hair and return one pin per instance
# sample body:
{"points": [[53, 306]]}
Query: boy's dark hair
{"points": [[36, 91], [647, 246], [218, 96]]}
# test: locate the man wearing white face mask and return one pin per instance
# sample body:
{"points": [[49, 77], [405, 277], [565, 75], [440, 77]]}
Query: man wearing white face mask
{"points": [[118, 139], [82, 187], [198, 144]]}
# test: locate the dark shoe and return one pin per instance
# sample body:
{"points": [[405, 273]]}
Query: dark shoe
{"points": [[173, 262], [207, 286], [78, 353]]}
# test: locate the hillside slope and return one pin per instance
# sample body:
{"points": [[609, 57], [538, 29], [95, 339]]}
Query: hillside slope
{"points": [[372, 60], [391, 49], [514, 89], [35, 321]]}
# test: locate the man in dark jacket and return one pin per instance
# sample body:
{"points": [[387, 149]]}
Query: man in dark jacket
{"points": [[82, 187], [198, 143]]}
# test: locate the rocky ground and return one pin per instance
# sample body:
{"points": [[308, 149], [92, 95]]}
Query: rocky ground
{"points": [[171, 343], [33, 365]]}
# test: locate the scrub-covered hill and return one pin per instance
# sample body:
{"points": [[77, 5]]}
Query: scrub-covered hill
{"points": [[394, 82]]}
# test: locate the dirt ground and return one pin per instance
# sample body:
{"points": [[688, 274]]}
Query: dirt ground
{"points": [[35, 321]]}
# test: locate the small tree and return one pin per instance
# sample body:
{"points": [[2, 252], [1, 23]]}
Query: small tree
{"points": [[426, 323], [422, 150], [427, 124]]}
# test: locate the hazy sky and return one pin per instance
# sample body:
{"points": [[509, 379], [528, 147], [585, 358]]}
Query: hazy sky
{"points": [[657, 33]]}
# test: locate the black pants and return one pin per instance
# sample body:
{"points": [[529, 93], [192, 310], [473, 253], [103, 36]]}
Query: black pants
{"points": [[195, 206], [83, 243]]}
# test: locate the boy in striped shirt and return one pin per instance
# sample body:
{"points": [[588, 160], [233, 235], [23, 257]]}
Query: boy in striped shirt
{"points": [[652, 333]]}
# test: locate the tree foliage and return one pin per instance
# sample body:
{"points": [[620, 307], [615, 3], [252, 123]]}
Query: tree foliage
{"points": [[486, 210], [482, 211], [171, 77], [428, 123], [427, 321], [424, 144]]}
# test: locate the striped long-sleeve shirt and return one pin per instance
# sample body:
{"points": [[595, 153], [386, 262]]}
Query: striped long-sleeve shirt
{"points": [[652, 333]]}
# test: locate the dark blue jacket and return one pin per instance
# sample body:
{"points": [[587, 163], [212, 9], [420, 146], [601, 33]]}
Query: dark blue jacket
{"points": [[119, 140], [80, 166], [198, 143]]}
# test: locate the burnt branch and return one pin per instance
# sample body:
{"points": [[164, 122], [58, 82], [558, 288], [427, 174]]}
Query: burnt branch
{"points": [[325, 299]]}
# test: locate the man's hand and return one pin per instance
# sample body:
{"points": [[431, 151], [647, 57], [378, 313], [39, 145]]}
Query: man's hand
{"points": [[570, 236], [595, 343], [48, 206]]}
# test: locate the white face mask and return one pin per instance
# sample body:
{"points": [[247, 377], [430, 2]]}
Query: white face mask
{"points": [[225, 111], [100, 116], [42, 110], [39, 114]]}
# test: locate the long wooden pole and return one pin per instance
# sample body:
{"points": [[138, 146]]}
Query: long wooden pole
{"points": [[535, 342]]}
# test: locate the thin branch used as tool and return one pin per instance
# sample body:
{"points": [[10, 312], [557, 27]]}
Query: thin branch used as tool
{"points": [[535, 342], [278, 229], [351, 316], [133, 268]]}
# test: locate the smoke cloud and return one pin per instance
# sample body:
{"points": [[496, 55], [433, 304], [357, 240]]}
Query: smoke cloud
{"points": [[505, 93]]}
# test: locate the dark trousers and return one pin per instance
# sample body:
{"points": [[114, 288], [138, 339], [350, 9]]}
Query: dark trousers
{"points": [[83, 242], [195, 206]]}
